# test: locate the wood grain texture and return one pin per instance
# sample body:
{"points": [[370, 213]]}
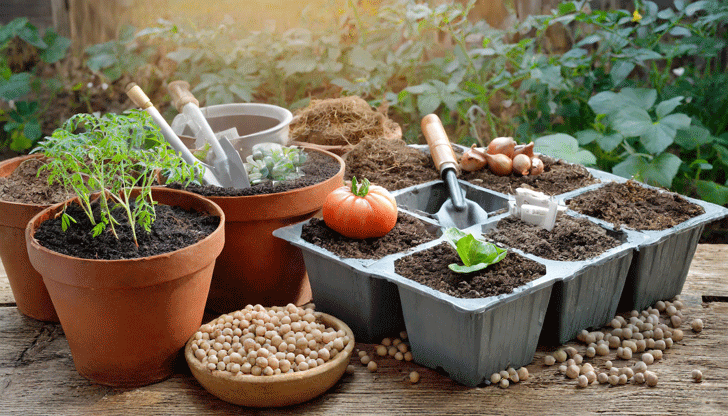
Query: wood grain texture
{"points": [[37, 376], [6, 294]]}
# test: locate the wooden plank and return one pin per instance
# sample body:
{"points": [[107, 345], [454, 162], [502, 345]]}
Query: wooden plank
{"points": [[37, 376], [6, 295]]}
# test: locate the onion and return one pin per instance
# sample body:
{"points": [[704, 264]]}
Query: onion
{"points": [[536, 166], [502, 145], [522, 164], [526, 149], [472, 160], [500, 164]]}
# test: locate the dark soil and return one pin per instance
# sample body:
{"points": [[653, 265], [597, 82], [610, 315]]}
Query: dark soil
{"points": [[558, 177], [390, 164], [632, 205], [173, 229], [317, 168], [429, 267], [407, 233], [25, 186], [572, 239]]}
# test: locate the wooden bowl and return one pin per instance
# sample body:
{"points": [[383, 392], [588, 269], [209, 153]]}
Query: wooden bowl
{"points": [[279, 390]]}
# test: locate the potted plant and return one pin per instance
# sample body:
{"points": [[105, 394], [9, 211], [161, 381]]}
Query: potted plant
{"points": [[126, 300], [255, 267], [24, 193]]}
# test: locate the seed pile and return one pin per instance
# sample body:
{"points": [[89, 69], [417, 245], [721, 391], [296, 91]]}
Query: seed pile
{"points": [[643, 336], [259, 341], [504, 378]]}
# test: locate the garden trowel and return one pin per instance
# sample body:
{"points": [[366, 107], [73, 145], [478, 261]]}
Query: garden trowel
{"points": [[139, 98], [457, 211], [227, 163]]}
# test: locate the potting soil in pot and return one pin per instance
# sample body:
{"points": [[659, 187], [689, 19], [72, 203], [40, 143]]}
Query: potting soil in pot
{"points": [[572, 239], [430, 268], [390, 164], [174, 228], [25, 186], [558, 177], [318, 168], [635, 206], [407, 233]]}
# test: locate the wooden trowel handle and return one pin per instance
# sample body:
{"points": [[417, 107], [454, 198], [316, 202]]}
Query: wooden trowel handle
{"points": [[440, 148], [181, 95]]}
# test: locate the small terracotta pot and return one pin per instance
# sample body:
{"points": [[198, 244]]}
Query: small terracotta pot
{"points": [[126, 320], [255, 267], [31, 295]]}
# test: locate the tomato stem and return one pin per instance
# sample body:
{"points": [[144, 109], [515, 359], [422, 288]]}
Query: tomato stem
{"points": [[360, 189]]}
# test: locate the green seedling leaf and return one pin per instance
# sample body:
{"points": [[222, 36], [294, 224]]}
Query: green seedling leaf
{"points": [[659, 171], [692, 137], [475, 254], [712, 192]]}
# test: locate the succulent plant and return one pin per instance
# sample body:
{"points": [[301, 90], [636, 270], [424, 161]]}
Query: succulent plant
{"points": [[273, 162]]}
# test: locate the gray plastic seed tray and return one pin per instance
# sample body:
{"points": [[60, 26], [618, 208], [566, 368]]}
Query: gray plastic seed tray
{"points": [[660, 264], [343, 287], [471, 338], [426, 199], [588, 295]]}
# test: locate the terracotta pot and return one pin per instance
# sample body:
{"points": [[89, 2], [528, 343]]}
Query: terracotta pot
{"points": [[127, 320], [31, 295], [255, 267]]}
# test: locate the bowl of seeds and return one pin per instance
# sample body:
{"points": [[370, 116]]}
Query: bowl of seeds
{"points": [[270, 357]]}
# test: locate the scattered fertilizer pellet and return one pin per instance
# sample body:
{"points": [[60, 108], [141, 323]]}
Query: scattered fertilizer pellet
{"points": [[495, 378], [650, 378], [603, 378], [657, 354], [362, 353], [372, 366], [648, 358], [697, 376], [514, 378], [572, 371], [522, 373], [639, 378], [381, 350], [697, 325], [408, 356], [582, 381], [560, 356], [402, 348], [549, 360], [591, 352], [503, 383], [602, 349], [613, 379], [504, 374], [608, 365], [396, 342], [403, 335], [391, 351], [562, 369], [623, 379], [414, 377], [365, 360], [639, 367], [350, 369], [399, 356], [591, 376]]}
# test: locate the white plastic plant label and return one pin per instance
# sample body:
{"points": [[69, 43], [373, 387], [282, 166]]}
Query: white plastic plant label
{"points": [[535, 208]]}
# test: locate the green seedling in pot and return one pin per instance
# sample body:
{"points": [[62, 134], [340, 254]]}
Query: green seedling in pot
{"points": [[475, 254], [273, 162], [111, 155]]}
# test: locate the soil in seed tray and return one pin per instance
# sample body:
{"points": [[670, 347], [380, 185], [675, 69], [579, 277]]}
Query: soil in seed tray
{"points": [[390, 164], [318, 168], [174, 228], [407, 233], [25, 186], [429, 267], [635, 206], [558, 177], [572, 239]]}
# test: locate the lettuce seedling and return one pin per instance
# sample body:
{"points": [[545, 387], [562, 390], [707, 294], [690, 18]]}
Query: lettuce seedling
{"points": [[475, 254]]}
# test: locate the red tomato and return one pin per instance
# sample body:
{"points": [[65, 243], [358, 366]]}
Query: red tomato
{"points": [[361, 210]]}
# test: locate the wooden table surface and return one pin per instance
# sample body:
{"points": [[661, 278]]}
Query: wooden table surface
{"points": [[37, 376]]}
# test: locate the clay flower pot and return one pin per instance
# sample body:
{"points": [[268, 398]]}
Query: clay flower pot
{"points": [[255, 267], [31, 295], [127, 320]]}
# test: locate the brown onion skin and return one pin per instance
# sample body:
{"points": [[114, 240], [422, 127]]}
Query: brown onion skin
{"points": [[472, 160], [522, 164], [503, 146], [536, 166], [525, 149], [500, 164]]}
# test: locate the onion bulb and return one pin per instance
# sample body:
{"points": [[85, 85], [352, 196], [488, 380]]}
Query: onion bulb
{"points": [[472, 160], [522, 164], [502, 145], [500, 164], [526, 149], [536, 166]]}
